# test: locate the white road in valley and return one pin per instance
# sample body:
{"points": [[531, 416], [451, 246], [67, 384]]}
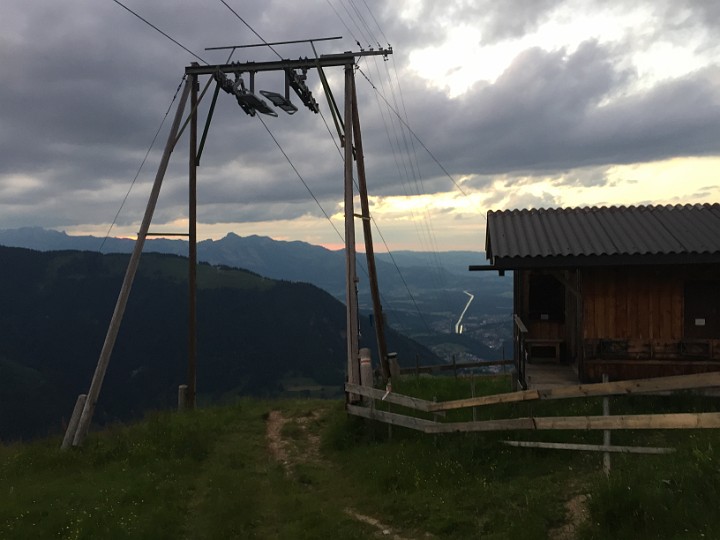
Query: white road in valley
{"points": [[458, 325]]}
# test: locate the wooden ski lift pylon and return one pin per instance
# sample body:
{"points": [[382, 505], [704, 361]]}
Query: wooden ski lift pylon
{"points": [[295, 71]]}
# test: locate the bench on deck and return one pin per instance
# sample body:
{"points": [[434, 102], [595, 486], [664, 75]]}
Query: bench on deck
{"points": [[544, 349]]}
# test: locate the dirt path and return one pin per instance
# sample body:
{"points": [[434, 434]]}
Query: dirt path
{"points": [[576, 513], [276, 444], [304, 447]]}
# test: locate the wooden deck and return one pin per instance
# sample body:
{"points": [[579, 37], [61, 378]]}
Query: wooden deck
{"points": [[541, 376]]}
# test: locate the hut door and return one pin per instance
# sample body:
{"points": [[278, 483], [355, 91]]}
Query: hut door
{"points": [[546, 318], [546, 299], [702, 310]]}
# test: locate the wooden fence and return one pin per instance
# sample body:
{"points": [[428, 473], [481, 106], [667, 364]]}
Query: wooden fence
{"points": [[634, 421], [454, 366]]}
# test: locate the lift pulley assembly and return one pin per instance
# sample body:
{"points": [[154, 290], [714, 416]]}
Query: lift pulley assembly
{"points": [[251, 103]]}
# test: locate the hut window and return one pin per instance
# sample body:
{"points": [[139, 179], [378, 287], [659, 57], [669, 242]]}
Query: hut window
{"points": [[546, 298]]}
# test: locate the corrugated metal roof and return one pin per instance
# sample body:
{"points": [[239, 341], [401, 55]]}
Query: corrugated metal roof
{"points": [[604, 231]]}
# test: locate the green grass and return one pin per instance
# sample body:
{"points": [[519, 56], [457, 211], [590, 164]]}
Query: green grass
{"points": [[209, 474]]}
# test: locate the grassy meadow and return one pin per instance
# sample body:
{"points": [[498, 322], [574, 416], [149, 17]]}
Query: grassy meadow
{"points": [[303, 469]]}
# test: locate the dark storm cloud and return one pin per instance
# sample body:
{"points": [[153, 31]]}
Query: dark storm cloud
{"points": [[87, 84], [548, 112]]}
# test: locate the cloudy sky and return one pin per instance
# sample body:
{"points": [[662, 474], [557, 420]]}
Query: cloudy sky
{"points": [[520, 103]]}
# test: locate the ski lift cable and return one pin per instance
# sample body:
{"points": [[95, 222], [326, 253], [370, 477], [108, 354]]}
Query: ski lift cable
{"points": [[160, 31], [377, 227], [332, 136], [157, 132], [288, 159], [415, 135], [413, 163], [413, 157], [315, 198], [277, 143], [205, 62], [376, 22], [307, 187], [360, 30], [423, 225], [390, 142], [175, 97], [352, 35], [251, 28], [363, 21], [142, 164], [395, 132], [162, 122], [412, 152], [396, 152], [407, 288]]}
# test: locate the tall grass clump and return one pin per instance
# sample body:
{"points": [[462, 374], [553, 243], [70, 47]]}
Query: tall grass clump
{"points": [[672, 497]]}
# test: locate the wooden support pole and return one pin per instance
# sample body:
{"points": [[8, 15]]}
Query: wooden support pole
{"points": [[74, 420], [367, 232], [192, 247], [114, 328], [203, 138], [353, 367]]}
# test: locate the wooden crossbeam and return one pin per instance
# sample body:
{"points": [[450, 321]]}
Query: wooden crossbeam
{"points": [[635, 421], [448, 367], [636, 386], [418, 424], [391, 397], [591, 447]]}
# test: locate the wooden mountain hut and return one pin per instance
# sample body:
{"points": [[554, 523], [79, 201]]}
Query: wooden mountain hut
{"points": [[631, 292]]}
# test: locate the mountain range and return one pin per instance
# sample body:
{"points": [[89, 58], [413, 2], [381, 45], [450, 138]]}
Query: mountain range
{"points": [[291, 261]]}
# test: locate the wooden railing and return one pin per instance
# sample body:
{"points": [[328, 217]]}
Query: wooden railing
{"points": [[520, 333], [639, 349]]}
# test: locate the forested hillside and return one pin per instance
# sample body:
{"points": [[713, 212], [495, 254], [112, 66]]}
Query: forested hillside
{"points": [[423, 293], [254, 335]]}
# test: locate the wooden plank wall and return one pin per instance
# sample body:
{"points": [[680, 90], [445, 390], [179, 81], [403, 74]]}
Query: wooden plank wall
{"points": [[633, 303]]}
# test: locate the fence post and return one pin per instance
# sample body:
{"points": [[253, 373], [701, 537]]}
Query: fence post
{"points": [[74, 420], [394, 366], [606, 433], [366, 372], [182, 397], [472, 394]]}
